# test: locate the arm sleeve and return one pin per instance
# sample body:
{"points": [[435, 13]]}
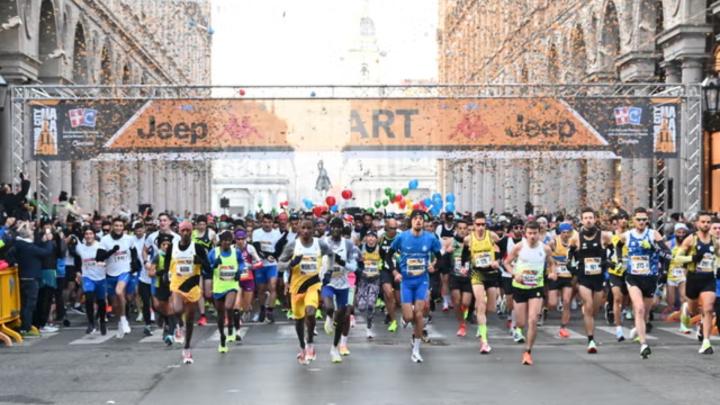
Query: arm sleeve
{"points": [[257, 247], [102, 254], [351, 264], [465, 255], [201, 257], [285, 256]]}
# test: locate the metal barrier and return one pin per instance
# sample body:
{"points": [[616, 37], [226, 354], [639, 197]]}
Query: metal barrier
{"points": [[9, 305]]}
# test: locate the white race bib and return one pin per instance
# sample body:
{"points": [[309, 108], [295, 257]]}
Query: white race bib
{"points": [[415, 267], [640, 265], [308, 265], [592, 266], [227, 273], [483, 260]]}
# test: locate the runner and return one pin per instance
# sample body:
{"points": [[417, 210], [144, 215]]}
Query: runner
{"points": [[589, 250], [227, 265], [118, 252], [302, 259], [506, 244], [414, 246], [701, 249], [243, 303], [561, 289], [460, 286], [158, 269], [265, 240], [446, 232], [676, 278], [480, 249], [616, 277], [369, 266], [205, 237], [390, 287], [94, 280], [187, 261], [144, 281], [528, 261], [336, 288]]}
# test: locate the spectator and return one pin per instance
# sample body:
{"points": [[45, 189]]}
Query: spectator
{"points": [[30, 257], [11, 203]]}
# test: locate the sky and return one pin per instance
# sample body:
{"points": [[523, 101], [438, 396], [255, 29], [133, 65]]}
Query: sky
{"points": [[305, 42]]}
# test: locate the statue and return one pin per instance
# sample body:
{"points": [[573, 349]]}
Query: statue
{"points": [[322, 184]]}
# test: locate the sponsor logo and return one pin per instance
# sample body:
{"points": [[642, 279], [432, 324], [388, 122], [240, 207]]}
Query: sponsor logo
{"points": [[628, 116], [82, 117]]}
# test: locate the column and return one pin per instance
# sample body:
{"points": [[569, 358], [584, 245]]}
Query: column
{"points": [[692, 72], [159, 186], [131, 180], [491, 193], [144, 183], [54, 181], [599, 181]]}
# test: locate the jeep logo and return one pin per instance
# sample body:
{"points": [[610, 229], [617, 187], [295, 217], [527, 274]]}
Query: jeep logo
{"points": [[181, 130]]}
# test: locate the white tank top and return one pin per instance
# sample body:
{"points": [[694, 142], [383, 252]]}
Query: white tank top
{"points": [[90, 268]]}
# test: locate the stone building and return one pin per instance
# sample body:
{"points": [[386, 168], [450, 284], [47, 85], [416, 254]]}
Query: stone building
{"points": [[109, 42], [548, 42]]}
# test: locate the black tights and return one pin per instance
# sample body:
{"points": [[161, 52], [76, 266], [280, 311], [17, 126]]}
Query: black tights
{"points": [[90, 300]]}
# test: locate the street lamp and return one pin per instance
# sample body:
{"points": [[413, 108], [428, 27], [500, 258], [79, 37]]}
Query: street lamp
{"points": [[711, 90], [3, 92]]}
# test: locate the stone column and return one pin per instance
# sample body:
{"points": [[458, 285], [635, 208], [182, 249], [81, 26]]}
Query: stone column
{"points": [[54, 181], [599, 181], [160, 178], [692, 72]]}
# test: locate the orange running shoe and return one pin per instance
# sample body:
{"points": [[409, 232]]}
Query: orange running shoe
{"points": [[462, 331], [563, 333], [527, 359]]}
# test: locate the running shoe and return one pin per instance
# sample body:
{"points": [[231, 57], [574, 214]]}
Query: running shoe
{"points": [[318, 315], [527, 359], [416, 357], [261, 316], [425, 337], [302, 357], [633, 334], [310, 354], [445, 307], [90, 329], [329, 329], [66, 323], [289, 315], [379, 304], [518, 336], [120, 333], [202, 321], [49, 329], [648, 328], [369, 333], [343, 349], [405, 323], [699, 333], [608, 313], [125, 325], [179, 335], [706, 348], [563, 333], [139, 317], [485, 348], [393, 326], [684, 329], [222, 348], [231, 337], [684, 317], [619, 334], [270, 318], [33, 332], [147, 331], [592, 347], [465, 314], [462, 330], [168, 339], [187, 356], [335, 355], [645, 351], [387, 319], [256, 318], [103, 327]]}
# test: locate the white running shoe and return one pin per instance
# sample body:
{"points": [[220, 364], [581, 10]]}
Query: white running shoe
{"points": [[416, 357], [49, 329], [335, 356], [329, 328], [633, 333], [120, 331], [126, 326], [370, 334]]}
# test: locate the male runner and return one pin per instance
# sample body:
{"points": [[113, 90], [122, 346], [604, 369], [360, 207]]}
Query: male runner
{"points": [[676, 277], [227, 265], [94, 280], [616, 276], [561, 289], [369, 265], [205, 237], [265, 240], [460, 286], [390, 287], [446, 232]]}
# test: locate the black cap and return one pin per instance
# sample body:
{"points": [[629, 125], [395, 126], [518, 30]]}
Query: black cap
{"points": [[371, 233], [421, 213], [294, 216], [163, 237]]}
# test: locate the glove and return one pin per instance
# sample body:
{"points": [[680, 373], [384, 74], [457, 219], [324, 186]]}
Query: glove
{"points": [[339, 260], [115, 248], [645, 244], [296, 260]]}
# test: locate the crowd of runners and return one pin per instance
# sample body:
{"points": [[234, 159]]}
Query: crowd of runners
{"points": [[501, 269]]}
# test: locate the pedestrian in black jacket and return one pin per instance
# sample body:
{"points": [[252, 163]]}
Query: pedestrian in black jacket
{"points": [[29, 256]]}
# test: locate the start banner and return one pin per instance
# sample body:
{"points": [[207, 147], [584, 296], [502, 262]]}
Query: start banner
{"points": [[587, 127]]}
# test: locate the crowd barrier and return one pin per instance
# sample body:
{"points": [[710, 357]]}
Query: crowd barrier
{"points": [[9, 305]]}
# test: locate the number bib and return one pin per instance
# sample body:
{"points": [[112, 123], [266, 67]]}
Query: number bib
{"points": [[677, 273], [592, 266], [184, 268], [415, 267], [530, 278], [640, 265], [459, 268], [706, 265], [266, 246], [308, 265], [337, 272], [245, 275], [227, 273], [371, 269], [118, 257], [483, 260]]}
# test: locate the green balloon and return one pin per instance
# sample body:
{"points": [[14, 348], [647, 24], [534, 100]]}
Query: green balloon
{"points": [[385, 203], [388, 192], [377, 204], [404, 191], [371, 210]]}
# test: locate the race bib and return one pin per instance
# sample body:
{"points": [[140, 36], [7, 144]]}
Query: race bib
{"points": [[459, 267], [530, 278], [416, 267], [227, 273], [706, 265], [677, 272], [308, 265], [640, 265], [266, 246], [184, 268], [592, 266], [119, 257], [371, 269], [245, 275], [483, 260], [337, 272]]}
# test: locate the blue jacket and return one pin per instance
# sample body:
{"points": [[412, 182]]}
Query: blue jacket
{"points": [[30, 257]]}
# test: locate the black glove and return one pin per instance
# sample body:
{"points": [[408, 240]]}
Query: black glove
{"points": [[339, 260], [296, 260], [115, 248]]}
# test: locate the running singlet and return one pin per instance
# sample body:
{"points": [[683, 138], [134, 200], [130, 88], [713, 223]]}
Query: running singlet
{"points": [[415, 252], [119, 262], [337, 276], [249, 257], [531, 265], [90, 268], [640, 261], [560, 253], [384, 246], [183, 268], [707, 253], [205, 240], [372, 263], [616, 255], [307, 272], [482, 252], [225, 272], [590, 256], [676, 270], [456, 258], [268, 242]]}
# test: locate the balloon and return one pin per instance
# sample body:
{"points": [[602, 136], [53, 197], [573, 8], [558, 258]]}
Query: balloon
{"points": [[398, 198], [450, 198], [401, 204], [334, 208], [427, 202], [330, 201], [241, 92], [377, 204], [404, 191], [318, 210], [385, 203], [413, 184], [347, 194], [312, 94], [437, 196], [416, 206], [284, 204], [371, 210], [388, 192], [450, 208], [308, 203]]}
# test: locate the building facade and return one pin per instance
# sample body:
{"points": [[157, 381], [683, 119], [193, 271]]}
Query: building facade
{"points": [[109, 42], [553, 42]]}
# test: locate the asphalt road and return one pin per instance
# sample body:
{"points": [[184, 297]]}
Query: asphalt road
{"points": [[70, 368]]}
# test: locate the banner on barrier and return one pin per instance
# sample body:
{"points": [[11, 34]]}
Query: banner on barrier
{"points": [[588, 127]]}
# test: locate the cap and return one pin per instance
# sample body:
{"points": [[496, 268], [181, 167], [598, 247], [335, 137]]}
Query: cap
{"points": [[163, 237], [282, 216], [449, 215], [565, 227], [680, 226], [294, 216], [371, 233], [240, 234], [416, 213], [185, 225], [517, 222]]}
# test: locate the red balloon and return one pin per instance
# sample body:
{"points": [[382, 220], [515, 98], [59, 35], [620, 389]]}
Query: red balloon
{"points": [[284, 204], [416, 206], [318, 210], [402, 204], [422, 204], [398, 198], [330, 201], [242, 92], [347, 194]]}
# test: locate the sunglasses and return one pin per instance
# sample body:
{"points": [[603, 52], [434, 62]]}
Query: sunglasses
{"points": [[480, 224], [641, 219], [387, 228]]}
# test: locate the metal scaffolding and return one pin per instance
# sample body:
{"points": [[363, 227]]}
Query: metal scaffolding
{"points": [[690, 158]]}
